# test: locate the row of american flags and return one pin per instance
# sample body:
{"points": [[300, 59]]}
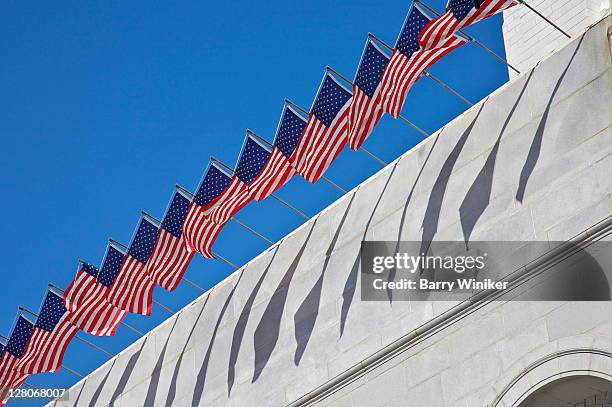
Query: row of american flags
{"points": [[305, 144]]}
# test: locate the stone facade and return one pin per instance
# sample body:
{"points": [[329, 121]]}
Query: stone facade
{"points": [[532, 161], [529, 39]]}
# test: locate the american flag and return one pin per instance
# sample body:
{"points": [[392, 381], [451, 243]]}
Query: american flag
{"points": [[231, 201], [133, 289], [83, 286], [263, 171], [171, 254], [365, 111], [199, 231], [86, 296], [236, 196], [10, 377], [409, 61], [52, 333], [326, 131], [278, 170], [458, 15]]}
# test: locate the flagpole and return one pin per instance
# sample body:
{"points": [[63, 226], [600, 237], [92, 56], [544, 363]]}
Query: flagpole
{"points": [[147, 215], [323, 177], [74, 372], [194, 285], [375, 158], [293, 208], [224, 260], [474, 40], [117, 243], [347, 80], [23, 309], [164, 307], [125, 324], [451, 90], [381, 162], [544, 18], [253, 231], [262, 237], [424, 73], [333, 184]]}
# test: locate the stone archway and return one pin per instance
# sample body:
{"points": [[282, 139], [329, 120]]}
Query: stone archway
{"points": [[585, 372], [575, 391]]}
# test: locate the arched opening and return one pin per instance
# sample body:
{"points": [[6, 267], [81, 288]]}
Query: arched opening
{"points": [[572, 391]]}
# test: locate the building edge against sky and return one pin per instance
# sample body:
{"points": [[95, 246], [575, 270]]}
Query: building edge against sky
{"points": [[528, 39], [289, 328]]}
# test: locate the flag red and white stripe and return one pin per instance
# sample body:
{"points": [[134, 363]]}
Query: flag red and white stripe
{"points": [[133, 289], [402, 72], [319, 145], [45, 349], [200, 232], [276, 172], [97, 316], [87, 307], [10, 378], [83, 286], [88, 310], [169, 260], [364, 114], [446, 25], [234, 198]]}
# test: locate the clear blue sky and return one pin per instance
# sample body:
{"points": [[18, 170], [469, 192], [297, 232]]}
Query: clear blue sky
{"points": [[105, 106]]}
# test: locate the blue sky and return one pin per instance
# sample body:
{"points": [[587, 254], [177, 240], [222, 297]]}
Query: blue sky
{"points": [[105, 106]]}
